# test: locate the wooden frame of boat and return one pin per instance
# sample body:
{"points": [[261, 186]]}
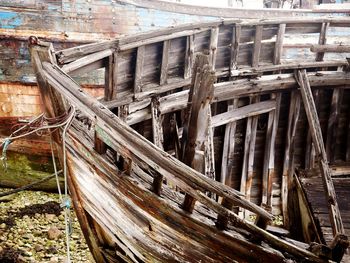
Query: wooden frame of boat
{"points": [[136, 201]]}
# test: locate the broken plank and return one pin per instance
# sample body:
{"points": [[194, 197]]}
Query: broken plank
{"points": [[330, 48], [243, 112], [197, 127], [236, 35], [311, 113]]}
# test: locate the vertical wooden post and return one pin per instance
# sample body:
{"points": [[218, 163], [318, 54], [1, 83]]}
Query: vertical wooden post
{"points": [[236, 35], [347, 156], [165, 63], [311, 113], [139, 68], [279, 44], [189, 56], [214, 35], [288, 164], [333, 124], [322, 40], [310, 149], [257, 45], [197, 127], [157, 129], [269, 156], [248, 159]]}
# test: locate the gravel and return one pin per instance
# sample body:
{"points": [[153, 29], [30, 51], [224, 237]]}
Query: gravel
{"points": [[32, 229]]}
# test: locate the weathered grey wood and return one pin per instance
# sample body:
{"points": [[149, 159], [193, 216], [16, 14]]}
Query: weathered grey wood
{"points": [[165, 61], [243, 112], [333, 124], [89, 59], [311, 113], [279, 44], [229, 143], [108, 86], [288, 164], [196, 130], [158, 139], [269, 156], [310, 149], [213, 45], [189, 56], [209, 158], [257, 45], [139, 69], [330, 48], [173, 169], [322, 40], [251, 153], [236, 35]]}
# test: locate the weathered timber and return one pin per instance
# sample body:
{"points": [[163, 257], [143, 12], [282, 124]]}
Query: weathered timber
{"points": [[330, 48], [189, 56], [139, 68], [168, 166], [257, 46], [279, 44], [288, 163], [213, 45], [311, 113], [197, 128], [243, 112], [84, 61], [235, 38], [269, 156], [158, 139], [165, 63], [226, 163], [333, 124], [322, 40]]}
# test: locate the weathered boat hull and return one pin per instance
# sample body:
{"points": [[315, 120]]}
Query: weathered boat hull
{"points": [[247, 131], [69, 23]]}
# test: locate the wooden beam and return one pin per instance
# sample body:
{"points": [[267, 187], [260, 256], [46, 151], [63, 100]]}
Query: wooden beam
{"points": [[257, 45], [347, 156], [311, 113], [189, 56], [333, 124], [279, 44], [214, 36], [196, 129], [322, 40], [108, 85], [236, 35], [330, 48], [158, 139], [165, 63], [243, 112], [226, 163], [310, 149], [288, 164], [84, 61], [140, 57], [269, 156]]}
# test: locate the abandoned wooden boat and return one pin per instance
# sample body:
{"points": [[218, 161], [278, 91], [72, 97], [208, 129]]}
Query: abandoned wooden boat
{"points": [[200, 131], [71, 23]]}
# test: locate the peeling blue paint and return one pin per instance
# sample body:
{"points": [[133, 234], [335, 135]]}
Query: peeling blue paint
{"points": [[10, 20]]}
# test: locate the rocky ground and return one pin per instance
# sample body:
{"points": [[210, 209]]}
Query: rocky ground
{"points": [[32, 229]]}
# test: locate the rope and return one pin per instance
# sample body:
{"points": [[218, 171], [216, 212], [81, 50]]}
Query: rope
{"points": [[39, 125]]}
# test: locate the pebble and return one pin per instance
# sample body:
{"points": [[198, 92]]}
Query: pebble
{"points": [[30, 234], [54, 233]]}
